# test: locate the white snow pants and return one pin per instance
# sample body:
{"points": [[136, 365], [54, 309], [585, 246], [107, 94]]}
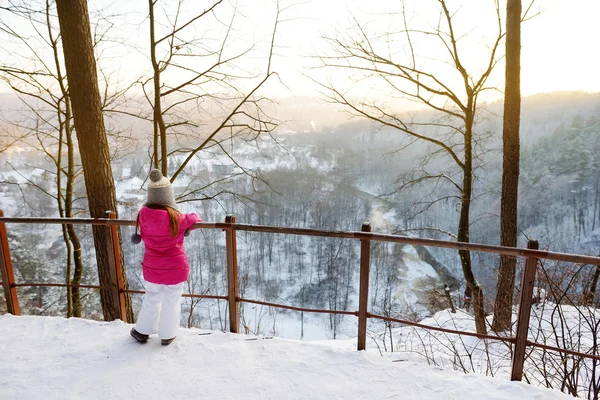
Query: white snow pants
{"points": [[161, 310]]}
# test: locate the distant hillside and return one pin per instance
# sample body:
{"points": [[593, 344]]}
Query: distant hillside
{"points": [[315, 114]]}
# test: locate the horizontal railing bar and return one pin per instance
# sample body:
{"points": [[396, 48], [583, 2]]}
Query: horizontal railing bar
{"points": [[509, 251], [193, 295], [203, 296], [59, 285], [370, 315], [313, 310], [440, 329], [99, 221], [297, 231], [67, 221], [558, 349]]}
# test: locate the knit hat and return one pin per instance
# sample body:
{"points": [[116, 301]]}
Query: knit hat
{"points": [[160, 191]]}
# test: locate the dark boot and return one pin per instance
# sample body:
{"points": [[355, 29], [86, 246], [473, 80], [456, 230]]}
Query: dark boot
{"points": [[140, 337], [166, 342]]}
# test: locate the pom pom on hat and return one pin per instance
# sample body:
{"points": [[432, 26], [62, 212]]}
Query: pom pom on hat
{"points": [[136, 238], [155, 175], [157, 180], [160, 191]]}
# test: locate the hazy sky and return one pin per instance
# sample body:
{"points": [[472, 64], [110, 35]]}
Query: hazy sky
{"points": [[559, 45]]}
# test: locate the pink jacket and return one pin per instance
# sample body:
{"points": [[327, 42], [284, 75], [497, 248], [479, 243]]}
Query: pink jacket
{"points": [[165, 261]]}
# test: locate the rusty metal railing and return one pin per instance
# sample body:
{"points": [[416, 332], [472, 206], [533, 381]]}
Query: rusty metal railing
{"points": [[532, 254]]}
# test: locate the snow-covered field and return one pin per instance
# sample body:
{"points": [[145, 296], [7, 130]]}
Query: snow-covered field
{"points": [[57, 358]]}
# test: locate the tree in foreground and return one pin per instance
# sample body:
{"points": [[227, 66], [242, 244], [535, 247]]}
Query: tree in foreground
{"points": [[45, 120], [510, 167], [80, 64]]}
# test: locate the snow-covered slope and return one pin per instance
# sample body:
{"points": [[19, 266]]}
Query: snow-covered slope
{"points": [[56, 358]]}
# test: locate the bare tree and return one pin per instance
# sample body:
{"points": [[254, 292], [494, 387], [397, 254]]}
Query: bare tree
{"points": [[45, 120], [88, 118], [202, 94], [451, 135]]}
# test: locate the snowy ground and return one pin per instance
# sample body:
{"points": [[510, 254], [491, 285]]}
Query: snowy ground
{"points": [[56, 358]]}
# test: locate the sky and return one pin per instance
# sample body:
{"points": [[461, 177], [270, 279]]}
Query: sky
{"points": [[560, 47], [557, 44]]}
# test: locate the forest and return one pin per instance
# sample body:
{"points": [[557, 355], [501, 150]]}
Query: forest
{"points": [[332, 180]]}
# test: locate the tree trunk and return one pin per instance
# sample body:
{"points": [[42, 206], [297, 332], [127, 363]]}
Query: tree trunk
{"points": [[596, 197], [65, 235], [93, 145], [65, 205], [473, 287], [74, 239], [510, 167], [160, 129], [588, 298], [61, 212]]}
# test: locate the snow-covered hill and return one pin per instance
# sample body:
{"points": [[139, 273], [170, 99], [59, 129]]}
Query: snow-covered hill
{"points": [[56, 358]]}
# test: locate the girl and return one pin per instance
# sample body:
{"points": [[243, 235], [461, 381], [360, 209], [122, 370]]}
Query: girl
{"points": [[165, 265]]}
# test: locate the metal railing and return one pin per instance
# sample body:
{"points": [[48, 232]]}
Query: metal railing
{"points": [[365, 236]]}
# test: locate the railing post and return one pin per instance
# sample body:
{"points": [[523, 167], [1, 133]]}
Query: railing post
{"points": [[363, 299], [524, 312], [118, 268], [232, 276], [6, 269]]}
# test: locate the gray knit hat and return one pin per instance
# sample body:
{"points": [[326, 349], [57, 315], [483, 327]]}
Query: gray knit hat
{"points": [[160, 191]]}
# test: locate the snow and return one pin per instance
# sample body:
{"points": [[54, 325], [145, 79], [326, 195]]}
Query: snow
{"points": [[562, 326], [417, 269], [125, 185], [52, 357]]}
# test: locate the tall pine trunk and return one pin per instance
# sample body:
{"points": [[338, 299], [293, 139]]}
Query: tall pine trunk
{"points": [[93, 145], [510, 167]]}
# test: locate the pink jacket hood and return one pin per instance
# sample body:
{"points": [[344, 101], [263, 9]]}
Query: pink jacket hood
{"points": [[165, 261]]}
